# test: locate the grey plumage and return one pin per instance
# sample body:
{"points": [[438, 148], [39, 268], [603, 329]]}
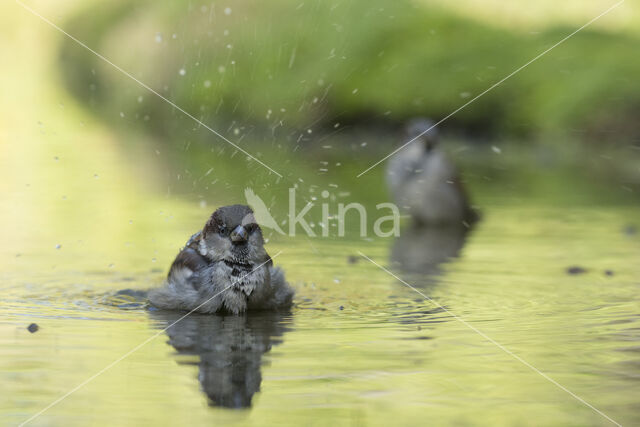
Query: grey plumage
{"points": [[224, 268], [424, 182]]}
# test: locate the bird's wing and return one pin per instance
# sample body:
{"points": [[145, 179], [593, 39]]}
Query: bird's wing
{"points": [[260, 211], [194, 241], [186, 265]]}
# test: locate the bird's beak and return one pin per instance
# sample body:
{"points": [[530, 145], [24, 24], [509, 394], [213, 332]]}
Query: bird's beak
{"points": [[239, 235]]}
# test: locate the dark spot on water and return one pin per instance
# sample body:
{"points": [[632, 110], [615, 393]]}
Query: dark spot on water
{"points": [[609, 273], [33, 327], [341, 307], [418, 338], [352, 259], [575, 270], [630, 230]]}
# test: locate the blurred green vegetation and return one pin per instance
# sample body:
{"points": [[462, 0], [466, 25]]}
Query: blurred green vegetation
{"points": [[312, 65]]}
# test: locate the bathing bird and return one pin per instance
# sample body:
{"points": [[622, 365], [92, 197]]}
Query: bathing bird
{"points": [[424, 182], [224, 268]]}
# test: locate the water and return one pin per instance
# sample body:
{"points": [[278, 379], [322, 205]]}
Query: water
{"points": [[359, 347], [83, 215]]}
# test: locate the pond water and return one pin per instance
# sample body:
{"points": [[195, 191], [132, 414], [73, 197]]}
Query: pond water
{"points": [[83, 216], [359, 347]]}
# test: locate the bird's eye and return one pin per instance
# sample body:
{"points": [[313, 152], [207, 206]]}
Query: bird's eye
{"points": [[222, 229]]}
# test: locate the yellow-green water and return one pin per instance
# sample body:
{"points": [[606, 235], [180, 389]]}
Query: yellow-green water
{"points": [[81, 217]]}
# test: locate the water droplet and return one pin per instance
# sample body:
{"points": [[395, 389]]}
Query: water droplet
{"points": [[207, 83], [182, 71], [58, 246], [158, 38], [227, 11], [325, 194], [221, 69]]}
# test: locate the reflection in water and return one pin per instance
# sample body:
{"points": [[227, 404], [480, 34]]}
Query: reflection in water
{"points": [[230, 350], [420, 251]]}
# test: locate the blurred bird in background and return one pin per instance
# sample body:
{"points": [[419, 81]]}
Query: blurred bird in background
{"points": [[424, 183]]}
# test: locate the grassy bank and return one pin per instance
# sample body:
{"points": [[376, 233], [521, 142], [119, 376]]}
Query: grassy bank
{"points": [[253, 66]]}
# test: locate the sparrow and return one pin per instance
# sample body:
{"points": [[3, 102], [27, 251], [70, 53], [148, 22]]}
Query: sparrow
{"points": [[424, 182], [224, 268]]}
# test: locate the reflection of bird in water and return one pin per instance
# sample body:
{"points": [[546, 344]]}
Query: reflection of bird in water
{"points": [[224, 268], [425, 183], [230, 350], [421, 251]]}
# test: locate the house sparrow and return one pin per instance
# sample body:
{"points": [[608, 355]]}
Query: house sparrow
{"points": [[425, 183], [224, 268]]}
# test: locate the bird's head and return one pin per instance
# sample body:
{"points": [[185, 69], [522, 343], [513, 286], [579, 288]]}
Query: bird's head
{"points": [[232, 235], [423, 131]]}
